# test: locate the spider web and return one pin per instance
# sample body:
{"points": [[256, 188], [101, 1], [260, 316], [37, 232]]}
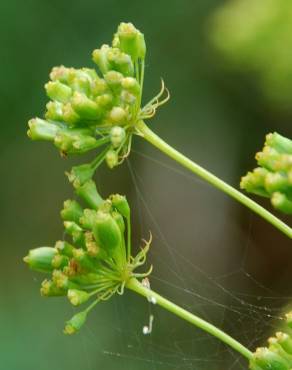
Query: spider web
{"points": [[231, 298]]}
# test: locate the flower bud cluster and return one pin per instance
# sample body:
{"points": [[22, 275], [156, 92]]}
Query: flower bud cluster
{"points": [[96, 260], [85, 108], [278, 354], [273, 179]]}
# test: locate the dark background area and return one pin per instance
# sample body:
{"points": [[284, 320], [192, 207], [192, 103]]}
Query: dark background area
{"points": [[202, 239]]}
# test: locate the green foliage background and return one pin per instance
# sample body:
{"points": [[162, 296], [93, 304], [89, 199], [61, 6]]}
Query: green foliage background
{"points": [[216, 116]]}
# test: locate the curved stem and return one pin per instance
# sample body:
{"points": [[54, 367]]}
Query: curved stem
{"points": [[155, 140], [137, 287]]}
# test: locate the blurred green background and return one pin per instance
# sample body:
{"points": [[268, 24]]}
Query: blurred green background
{"points": [[210, 254]]}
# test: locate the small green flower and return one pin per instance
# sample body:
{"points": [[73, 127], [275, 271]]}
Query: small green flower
{"points": [[64, 248], [84, 260], [130, 40], [58, 91], [88, 218], [76, 233], [60, 279], [117, 136], [49, 289], [121, 204], [72, 211], [77, 297], [107, 232], [59, 261], [40, 129], [40, 259], [89, 194], [75, 323], [80, 174], [112, 158]]}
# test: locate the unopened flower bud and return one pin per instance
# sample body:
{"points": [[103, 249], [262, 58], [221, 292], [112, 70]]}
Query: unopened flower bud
{"points": [[281, 202], [128, 98], [64, 248], [89, 194], [117, 135], [99, 87], [131, 84], [104, 101], [106, 206], [276, 181], [131, 41], [279, 143], [58, 91], [117, 115], [83, 259], [81, 83], [75, 140], [90, 73], [99, 57], [60, 279], [92, 248], [83, 144], [285, 342], [69, 115], [121, 204], [80, 174], [268, 158], [59, 261], [40, 129], [88, 218], [254, 182], [119, 220], [112, 159], [40, 259], [114, 80], [75, 323], [76, 232], [61, 74], [107, 232], [77, 297], [54, 111], [49, 289], [120, 62], [85, 107], [72, 211]]}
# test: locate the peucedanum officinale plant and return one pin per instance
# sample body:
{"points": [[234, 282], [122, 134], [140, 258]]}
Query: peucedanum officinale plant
{"points": [[101, 111]]}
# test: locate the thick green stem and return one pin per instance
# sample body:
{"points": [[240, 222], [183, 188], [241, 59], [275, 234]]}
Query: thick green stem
{"points": [[150, 136], [137, 287]]}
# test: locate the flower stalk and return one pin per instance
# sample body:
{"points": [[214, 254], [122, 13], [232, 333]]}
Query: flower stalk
{"points": [[144, 131], [137, 287]]}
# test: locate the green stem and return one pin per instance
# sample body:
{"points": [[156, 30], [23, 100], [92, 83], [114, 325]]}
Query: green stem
{"points": [[128, 238], [150, 136], [137, 287]]}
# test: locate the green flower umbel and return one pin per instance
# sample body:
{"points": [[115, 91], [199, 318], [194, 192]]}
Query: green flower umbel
{"points": [[95, 261], [90, 108], [273, 179]]}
